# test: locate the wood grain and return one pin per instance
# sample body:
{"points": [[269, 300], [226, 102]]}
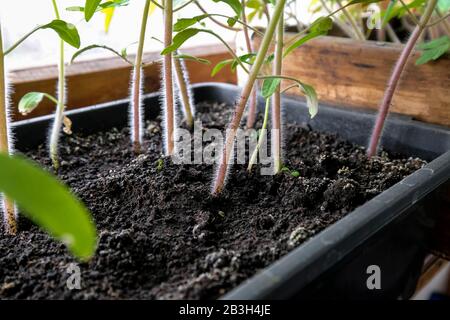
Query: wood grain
{"points": [[103, 80], [352, 73]]}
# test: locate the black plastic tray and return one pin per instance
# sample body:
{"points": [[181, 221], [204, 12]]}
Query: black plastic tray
{"points": [[391, 231]]}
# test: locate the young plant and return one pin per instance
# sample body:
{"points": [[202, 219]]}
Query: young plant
{"points": [[42, 197], [226, 155], [395, 78], [66, 32], [167, 82]]}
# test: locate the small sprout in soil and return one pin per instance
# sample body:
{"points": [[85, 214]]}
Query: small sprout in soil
{"points": [[293, 173], [160, 165], [167, 82], [53, 208], [222, 170], [59, 115]]}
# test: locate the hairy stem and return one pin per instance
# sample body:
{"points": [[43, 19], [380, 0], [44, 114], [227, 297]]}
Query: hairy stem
{"points": [[261, 137], [7, 205], [222, 170], [184, 91], [395, 77], [169, 115], [136, 90], [276, 108], [251, 117], [59, 115]]}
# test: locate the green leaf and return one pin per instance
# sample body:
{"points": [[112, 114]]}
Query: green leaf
{"points": [[90, 8], [234, 4], [220, 66], [31, 100], [232, 21], [269, 86], [295, 173], [75, 8], [105, 5], [319, 27], [66, 31], [184, 23], [270, 58], [433, 50], [387, 13], [192, 58], [179, 39], [311, 95], [400, 10], [254, 4], [122, 54], [113, 4], [302, 41], [49, 204], [247, 58], [322, 24], [363, 2]]}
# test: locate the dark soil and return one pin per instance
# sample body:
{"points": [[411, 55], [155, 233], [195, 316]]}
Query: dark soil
{"points": [[161, 236]]}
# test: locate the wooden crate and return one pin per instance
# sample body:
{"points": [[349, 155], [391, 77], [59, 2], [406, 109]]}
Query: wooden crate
{"points": [[353, 73]]}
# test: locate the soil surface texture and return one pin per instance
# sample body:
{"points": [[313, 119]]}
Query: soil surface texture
{"points": [[160, 233]]}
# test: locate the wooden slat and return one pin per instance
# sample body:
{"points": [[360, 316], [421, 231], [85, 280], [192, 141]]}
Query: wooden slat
{"points": [[352, 73], [102, 80]]}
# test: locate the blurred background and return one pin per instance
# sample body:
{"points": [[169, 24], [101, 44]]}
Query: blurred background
{"points": [[20, 16]]}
